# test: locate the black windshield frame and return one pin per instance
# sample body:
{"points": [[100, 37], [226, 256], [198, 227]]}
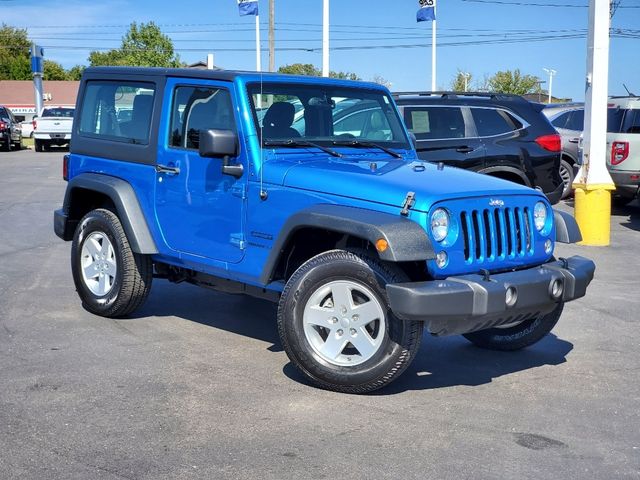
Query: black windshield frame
{"points": [[307, 91]]}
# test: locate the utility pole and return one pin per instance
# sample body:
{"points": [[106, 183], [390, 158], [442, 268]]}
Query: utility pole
{"points": [[593, 184], [37, 68], [551, 72], [433, 50], [272, 36], [325, 38]]}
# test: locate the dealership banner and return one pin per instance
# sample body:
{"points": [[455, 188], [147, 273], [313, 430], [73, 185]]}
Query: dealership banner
{"points": [[427, 10], [248, 7]]}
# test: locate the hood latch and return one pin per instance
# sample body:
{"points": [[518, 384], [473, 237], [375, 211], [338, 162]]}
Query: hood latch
{"points": [[409, 200]]}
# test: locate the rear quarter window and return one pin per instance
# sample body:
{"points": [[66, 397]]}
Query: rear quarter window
{"points": [[490, 122], [631, 122], [117, 111]]}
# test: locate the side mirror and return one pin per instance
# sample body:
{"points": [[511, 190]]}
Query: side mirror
{"points": [[221, 144], [218, 143], [414, 139]]}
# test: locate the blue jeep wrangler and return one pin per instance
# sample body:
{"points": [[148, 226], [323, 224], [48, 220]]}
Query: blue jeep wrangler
{"points": [[308, 192]]}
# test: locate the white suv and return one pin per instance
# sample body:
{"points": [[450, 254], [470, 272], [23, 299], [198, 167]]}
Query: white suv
{"points": [[623, 148]]}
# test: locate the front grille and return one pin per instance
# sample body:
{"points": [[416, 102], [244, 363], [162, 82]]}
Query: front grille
{"points": [[496, 233]]}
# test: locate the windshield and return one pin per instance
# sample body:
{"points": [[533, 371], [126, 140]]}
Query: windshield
{"points": [[58, 112], [325, 114]]}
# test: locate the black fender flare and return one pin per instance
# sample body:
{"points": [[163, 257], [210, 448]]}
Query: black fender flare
{"points": [[407, 241], [567, 229], [126, 203], [512, 170]]}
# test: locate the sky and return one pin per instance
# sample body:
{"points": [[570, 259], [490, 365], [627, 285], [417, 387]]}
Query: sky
{"points": [[473, 36]]}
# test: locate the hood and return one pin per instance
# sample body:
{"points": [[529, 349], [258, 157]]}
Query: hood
{"points": [[380, 180]]}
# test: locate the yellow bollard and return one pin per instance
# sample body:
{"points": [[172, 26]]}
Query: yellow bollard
{"points": [[593, 213]]}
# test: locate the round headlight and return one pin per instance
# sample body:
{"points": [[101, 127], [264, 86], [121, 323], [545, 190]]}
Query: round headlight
{"points": [[540, 216], [439, 224]]}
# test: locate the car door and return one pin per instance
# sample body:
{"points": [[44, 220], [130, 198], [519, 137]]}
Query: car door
{"points": [[444, 133], [200, 211]]}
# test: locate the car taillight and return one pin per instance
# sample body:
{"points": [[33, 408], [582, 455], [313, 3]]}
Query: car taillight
{"points": [[619, 152], [3, 125], [65, 167], [34, 124], [550, 142]]}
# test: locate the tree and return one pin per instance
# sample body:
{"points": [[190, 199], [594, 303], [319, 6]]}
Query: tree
{"points": [[513, 82], [75, 73], [382, 81], [54, 71], [15, 63], [461, 82], [309, 70], [143, 45]]}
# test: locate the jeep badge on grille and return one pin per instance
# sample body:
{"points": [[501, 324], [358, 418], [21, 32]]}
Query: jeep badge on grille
{"points": [[495, 202]]}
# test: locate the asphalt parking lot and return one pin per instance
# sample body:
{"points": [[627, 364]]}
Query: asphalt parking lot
{"points": [[196, 385]]}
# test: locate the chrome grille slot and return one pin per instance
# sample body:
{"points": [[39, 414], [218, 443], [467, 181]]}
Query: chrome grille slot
{"points": [[494, 234]]}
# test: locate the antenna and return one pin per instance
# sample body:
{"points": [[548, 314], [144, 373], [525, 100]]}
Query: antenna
{"points": [[263, 193], [630, 94]]}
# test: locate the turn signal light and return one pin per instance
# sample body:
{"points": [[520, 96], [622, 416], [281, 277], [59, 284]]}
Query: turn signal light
{"points": [[381, 245], [619, 152], [65, 168], [551, 143]]}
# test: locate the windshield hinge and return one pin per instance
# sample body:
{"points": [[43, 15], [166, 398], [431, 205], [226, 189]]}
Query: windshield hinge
{"points": [[237, 240], [238, 190], [409, 200]]}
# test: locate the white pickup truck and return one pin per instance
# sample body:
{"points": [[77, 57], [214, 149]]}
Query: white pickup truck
{"points": [[53, 127]]}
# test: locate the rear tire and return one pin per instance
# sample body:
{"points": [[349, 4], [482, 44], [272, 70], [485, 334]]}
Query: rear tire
{"points": [[38, 145], [567, 175], [111, 279], [519, 336], [337, 328], [618, 201], [7, 146]]}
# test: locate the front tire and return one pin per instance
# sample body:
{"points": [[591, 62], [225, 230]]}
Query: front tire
{"points": [[111, 279], [518, 336], [337, 328]]}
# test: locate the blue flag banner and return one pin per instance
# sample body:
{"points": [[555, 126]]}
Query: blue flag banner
{"points": [[427, 10], [248, 7]]}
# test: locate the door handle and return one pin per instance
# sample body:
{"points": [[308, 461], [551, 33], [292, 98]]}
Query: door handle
{"points": [[574, 140], [464, 149], [169, 170]]}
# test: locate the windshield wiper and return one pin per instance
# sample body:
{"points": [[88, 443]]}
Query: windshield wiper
{"points": [[359, 144], [300, 144]]}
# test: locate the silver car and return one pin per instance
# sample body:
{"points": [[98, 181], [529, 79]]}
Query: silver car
{"points": [[568, 120], [623, 142]]}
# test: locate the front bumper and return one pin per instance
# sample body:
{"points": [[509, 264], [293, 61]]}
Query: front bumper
{"points": [[468, 303]]}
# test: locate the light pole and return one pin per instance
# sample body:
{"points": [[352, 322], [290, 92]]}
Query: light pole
{"points": [[325, 38], [272, 36], [467, 77], [551, 72]]}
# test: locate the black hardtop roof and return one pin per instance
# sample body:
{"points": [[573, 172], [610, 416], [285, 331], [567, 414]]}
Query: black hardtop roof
{"points": [[220, 74], [458, 98]]}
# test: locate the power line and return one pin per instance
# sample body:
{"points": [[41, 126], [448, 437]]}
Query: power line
{"points": [[528, 4]]}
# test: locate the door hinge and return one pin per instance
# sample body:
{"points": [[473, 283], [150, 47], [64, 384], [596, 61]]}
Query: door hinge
{"points": [[237, 240], [239, 191]]}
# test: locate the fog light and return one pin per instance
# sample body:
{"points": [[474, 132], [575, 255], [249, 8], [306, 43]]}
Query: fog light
{"points": [[548, 247], [442, 259], [511, 297], [557, 288]]}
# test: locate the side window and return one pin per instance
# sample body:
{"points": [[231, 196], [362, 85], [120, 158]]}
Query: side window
{"points": [[101, 106], [561, 120], [199, 108], [432, 123], [491, 122], [631, 122], [576, 121]]}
